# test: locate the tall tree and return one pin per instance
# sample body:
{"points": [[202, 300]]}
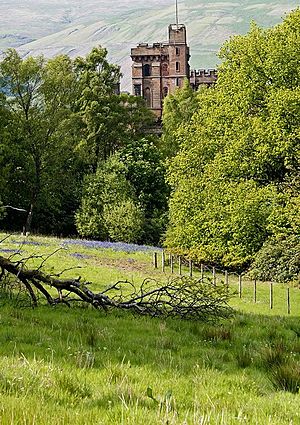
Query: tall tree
{"points": [[179, 109], [107, 118], [39, 95], [240, 150]]}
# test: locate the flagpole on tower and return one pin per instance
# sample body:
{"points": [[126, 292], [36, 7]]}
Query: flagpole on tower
{"points": [[177, 13]]}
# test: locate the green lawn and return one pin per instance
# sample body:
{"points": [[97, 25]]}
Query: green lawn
{"points": [[80, 366]]}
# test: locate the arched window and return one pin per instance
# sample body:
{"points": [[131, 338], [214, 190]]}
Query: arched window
{"points": [[177, 66], [147, 97], [165, 69], [177, 51], [147, 70], [165, 91]]}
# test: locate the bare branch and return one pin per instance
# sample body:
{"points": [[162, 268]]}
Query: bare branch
{"points": [[181, 297]]}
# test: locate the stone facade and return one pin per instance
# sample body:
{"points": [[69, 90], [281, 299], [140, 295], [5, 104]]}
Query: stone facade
{"points": [[160, 68]]}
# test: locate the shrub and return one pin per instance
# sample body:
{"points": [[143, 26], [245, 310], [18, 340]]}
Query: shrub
{"points": [[278, 260], [101, 191], [124, 221]]}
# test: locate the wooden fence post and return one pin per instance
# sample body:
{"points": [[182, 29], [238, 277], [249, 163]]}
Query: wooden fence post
{"points": [[202, 272], [191, 268], [288, 301], [214, 276], [271, 295], [155, 260], [162, 261], [172, 263], [254, 294], [179, 265], [226, 279], [240, 286]]}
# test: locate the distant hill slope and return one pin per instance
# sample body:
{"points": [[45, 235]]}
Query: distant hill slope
{"points": [[69, 26]]}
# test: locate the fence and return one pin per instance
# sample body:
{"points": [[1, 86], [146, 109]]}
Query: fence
{"points": [[280, 296]]}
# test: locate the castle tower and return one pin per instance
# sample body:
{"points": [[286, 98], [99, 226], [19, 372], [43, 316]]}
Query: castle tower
{"points": [[160, 68]]}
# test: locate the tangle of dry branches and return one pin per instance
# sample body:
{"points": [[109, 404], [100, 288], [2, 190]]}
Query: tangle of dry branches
{"points": [[181, 297]]}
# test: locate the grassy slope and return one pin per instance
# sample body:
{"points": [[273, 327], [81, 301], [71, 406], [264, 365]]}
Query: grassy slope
{"points": [[80, 366]]}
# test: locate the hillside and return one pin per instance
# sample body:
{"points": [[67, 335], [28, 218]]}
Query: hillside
{"points": [[71, 27]]}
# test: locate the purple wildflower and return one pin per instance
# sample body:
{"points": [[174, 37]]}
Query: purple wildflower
{"points": [[115, 246]]}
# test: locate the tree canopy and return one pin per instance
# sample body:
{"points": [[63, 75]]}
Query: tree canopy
{"points": [[238, 158], [61, 123]]}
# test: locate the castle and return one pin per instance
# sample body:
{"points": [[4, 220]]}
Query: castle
{"points": [[160, 68]]}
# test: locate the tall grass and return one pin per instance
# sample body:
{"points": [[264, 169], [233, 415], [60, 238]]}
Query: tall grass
{"points": [[80, 366]]}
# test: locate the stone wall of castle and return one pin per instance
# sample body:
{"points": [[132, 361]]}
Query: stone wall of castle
{"points": [[160, 68]]}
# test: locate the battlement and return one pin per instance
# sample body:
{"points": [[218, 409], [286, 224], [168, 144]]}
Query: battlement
{"points": [[213, 73], [199, 77], [145, 49], [177, 34]]}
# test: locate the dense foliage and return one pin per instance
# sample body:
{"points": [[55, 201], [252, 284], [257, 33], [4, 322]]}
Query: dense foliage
{"points": [[62, 122], [78, 157], [235, 176]]}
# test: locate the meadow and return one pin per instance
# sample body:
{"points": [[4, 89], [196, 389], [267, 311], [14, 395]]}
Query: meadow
{"points": [[61, 365]]}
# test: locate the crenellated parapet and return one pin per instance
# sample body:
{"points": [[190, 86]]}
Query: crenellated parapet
{"points": [[200, 77]]}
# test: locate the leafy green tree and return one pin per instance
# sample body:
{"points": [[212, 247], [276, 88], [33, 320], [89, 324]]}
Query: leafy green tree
{"points": [[39, 153], [124, 221], [145, 170], [107, 119], [239, 153], [106, 196], [179, 107]]}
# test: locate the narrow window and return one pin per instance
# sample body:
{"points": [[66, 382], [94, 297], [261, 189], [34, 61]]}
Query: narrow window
{"points": [[147, 97], [165, 69], [137, 90], [177, 51], [178, 82], [165, 91], [177, 66], [147, 70]]}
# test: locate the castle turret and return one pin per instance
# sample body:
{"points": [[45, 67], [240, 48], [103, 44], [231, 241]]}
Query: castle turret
{"points": [[159, 68]]}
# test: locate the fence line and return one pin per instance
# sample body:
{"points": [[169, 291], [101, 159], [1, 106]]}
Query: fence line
{"points": [[217, 276]]}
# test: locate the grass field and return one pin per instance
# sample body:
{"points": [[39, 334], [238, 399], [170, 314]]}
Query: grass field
{"points": [[80, 366]]}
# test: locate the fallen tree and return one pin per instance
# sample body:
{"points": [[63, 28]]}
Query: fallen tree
{"points": [[181, 297]]}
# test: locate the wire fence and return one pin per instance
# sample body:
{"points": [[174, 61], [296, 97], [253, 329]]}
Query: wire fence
{"points": [[250, 291]]}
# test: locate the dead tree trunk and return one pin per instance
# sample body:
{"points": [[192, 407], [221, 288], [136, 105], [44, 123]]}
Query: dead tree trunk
{"points": [[181, 297]]}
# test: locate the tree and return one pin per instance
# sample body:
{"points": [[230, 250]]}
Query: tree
{"points": [[179, 108], [278, 260], [145, 170], [107, 119], [107, 195], [40, 165], [240, 151], [124, 221]]}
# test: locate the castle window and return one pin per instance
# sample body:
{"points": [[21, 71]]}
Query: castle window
{"points": [[177, 66], [147, 97], [165, 69], [178, 82], [137, 90], [165, 91], [147, 70], [177, 51]]}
